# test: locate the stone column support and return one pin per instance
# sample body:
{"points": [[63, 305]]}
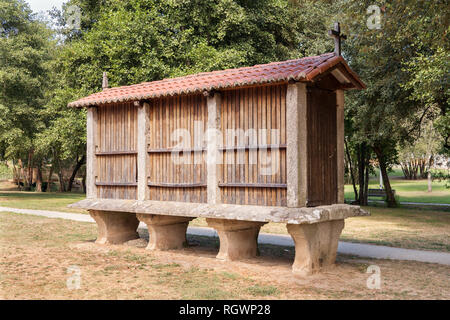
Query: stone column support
{"points": [[238, 239], [297, 151], [165, 232], [213, 155], [315, 245], [340, 149], [91, 159], [142, 145], [115, 227]]}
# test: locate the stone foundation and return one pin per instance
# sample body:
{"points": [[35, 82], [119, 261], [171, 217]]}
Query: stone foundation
{"points": [[238, 239], [165, 232], [315, 245], [315, 230], [115, 227]]}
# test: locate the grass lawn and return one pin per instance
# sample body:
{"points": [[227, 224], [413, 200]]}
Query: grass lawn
{"points": [[36, 253], [53, 201], [410, 191]]}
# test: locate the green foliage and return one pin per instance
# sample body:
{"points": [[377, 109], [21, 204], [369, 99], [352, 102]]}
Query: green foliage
{"points": [[139, 40], [25, 52], [404, 64]]}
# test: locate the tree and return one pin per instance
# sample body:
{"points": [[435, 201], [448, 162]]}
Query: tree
{"points": [[144, 40], [25, 50], [385, 114]]}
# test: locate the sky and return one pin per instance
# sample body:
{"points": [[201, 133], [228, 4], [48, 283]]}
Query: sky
{"points": [[44, 5]]}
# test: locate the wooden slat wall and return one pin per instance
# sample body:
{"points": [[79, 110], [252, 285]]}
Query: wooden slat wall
{"points": [[322, 146], [169, 181], [258, 108], [116, 151]]}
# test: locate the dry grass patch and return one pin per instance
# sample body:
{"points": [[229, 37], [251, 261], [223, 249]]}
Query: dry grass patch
{"points": [[36, 252]]}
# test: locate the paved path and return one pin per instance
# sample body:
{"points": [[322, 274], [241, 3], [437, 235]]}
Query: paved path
{"points": [[420, 204], [357, 249]]}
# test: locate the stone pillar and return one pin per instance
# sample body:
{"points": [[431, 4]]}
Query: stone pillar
{"points": [[315, 245], [238, 239], [340, 151], [297, 151], [142, 145], [213, 154], [115, 227], [91, 159], [165, 232]]}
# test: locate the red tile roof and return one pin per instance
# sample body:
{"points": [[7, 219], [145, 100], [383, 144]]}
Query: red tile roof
{"points": [[304, 69]]}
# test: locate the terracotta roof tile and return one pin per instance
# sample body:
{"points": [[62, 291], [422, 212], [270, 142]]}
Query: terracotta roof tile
{"points": [[304, 69]]}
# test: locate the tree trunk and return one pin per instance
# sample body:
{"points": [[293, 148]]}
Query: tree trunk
{"points": [[49, 180], [83, 183], [19, 176], [80, 162], [361, 170], [15, 173], [351, 170], [62, 187], [39, 178], [30, 170], [391, 202], [366, 186]]}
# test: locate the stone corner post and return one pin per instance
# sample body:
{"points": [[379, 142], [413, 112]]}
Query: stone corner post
{"points": [[142, 145], [297, 145], [213, 154], [340, 152], [91, 158]]}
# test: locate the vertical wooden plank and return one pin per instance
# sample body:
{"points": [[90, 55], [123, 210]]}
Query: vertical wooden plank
{"points": [[283, 139], [269, 141], [274, 140], [229, 143], [245, 142], [255, 143], [224, 117], [241, 141], [264, 142]]}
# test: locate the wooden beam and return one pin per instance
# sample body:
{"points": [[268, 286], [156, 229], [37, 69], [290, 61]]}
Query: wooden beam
{"points": [[116, 153], [267, 146], [116, 184], [176, 185], [170, 150], [253, 185]]}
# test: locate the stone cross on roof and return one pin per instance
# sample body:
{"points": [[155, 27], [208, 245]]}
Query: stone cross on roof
{"points": [[336, 34]]}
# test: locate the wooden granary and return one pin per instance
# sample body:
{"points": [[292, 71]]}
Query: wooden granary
{"points": [[240, 147]]}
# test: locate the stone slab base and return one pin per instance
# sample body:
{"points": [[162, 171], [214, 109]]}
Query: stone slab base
{"points": [[115, 227], [166, 232], [238, 239], [315, 245]]}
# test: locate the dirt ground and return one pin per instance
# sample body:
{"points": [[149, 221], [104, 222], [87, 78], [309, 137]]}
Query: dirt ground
{"points": [[37, 252]]}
